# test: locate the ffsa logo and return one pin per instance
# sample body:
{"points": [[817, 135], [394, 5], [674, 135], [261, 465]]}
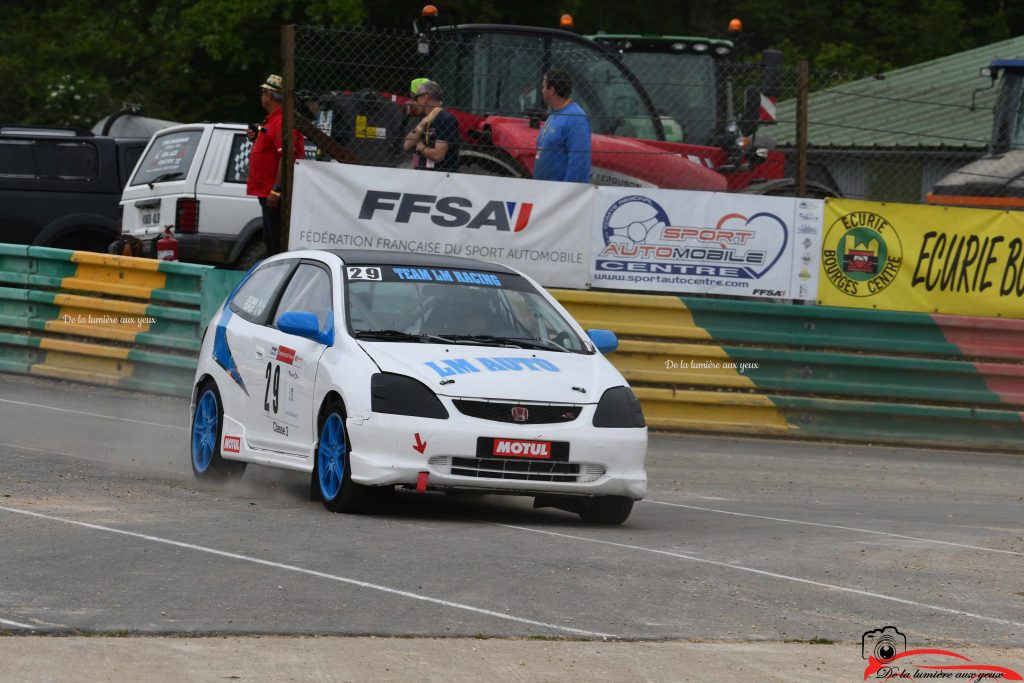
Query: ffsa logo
{"points": [[447, 212]]}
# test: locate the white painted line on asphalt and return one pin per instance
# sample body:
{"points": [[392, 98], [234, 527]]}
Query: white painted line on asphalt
{"points": [[15, 624], [838, 526], [774, 575], [311, 572], [82, 412]]}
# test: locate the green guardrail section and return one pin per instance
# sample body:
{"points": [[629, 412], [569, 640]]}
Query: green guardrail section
{"points": [[105, 319], [697, 364], [749, 367]]}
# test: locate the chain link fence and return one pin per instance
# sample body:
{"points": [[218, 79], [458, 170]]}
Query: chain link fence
{"points": [[667, 112]]}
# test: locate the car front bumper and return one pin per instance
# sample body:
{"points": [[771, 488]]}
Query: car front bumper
{"points": [[386, 450]]}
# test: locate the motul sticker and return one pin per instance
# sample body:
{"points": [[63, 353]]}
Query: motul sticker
{"points": [[514, 448], [232, 444], [285, 355]]}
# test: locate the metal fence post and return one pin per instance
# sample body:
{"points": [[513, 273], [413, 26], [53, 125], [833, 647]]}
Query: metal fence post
{"points": [[801, 128], [288, 130]]}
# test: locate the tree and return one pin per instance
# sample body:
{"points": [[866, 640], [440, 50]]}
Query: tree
{"points": [[67, 63]]}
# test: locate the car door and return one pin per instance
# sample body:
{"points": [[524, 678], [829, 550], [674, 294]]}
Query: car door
{"points": [[236, 330], [286, 365]]}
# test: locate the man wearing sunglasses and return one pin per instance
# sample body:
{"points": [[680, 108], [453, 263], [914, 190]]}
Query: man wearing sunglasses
{"points": [[436, 138], [264, 180]]}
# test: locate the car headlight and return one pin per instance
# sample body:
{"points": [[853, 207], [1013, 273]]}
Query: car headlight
{"points": [[619, 407], [401, 395]]}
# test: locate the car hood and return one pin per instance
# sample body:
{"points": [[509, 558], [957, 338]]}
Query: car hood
{"points": [[500, 373]]}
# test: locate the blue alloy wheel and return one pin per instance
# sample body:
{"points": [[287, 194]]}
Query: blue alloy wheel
{"points": [[207, 421], [204, 431], [332, 472], [331, 457]]}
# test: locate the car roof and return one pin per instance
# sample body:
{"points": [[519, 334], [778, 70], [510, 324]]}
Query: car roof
{"points": [[375, 257], [199, 126]]}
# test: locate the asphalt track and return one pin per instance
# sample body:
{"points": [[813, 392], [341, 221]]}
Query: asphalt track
{"points": [[103, 530]]}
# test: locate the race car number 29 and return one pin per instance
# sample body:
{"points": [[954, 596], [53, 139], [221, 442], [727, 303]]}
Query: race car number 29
{"points": [[362, 273]]}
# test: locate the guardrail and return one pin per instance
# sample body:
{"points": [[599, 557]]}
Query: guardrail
{"points": [[697, 364], [104, 319], [748, 367]]}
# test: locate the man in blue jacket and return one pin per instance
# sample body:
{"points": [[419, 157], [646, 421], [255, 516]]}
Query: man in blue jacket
{"points": [[563, 146]]}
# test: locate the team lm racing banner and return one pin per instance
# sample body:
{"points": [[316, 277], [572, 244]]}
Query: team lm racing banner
{"points": [[706, 243], [538, 227], [931, 259]]}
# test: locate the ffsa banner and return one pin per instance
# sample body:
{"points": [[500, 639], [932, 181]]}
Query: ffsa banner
{"points": [[537, 227], [931, 259], [707, 243]]}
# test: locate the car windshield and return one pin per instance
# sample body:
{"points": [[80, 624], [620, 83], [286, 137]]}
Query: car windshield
{"points": [[452, 306], [168, 158]]}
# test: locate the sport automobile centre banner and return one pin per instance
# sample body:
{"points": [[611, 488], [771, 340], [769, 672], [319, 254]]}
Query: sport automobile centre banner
{"points": [[706, 243], [932, 259], [537, 227]]}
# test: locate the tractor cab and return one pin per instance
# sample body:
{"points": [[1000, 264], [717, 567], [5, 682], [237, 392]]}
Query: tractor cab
{"points": [[997, 179]]}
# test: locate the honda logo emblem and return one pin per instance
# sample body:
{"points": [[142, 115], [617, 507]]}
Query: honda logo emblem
{"points": [[520, 414]]}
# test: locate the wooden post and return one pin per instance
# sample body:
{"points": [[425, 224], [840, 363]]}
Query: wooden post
{"points": [[288, 131], [801, 129]]}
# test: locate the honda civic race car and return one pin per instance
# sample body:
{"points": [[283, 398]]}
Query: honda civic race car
{"points": [[373, 369]]}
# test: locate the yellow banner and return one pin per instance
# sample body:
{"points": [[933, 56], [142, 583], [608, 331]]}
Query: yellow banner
{"points": [[931, 259]]}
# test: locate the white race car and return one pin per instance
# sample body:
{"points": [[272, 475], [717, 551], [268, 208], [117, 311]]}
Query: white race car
{"points": [[381, 369]]}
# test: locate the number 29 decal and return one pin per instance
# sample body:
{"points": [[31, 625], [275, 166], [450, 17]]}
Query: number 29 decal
{"points": [[363, 273], [276, 373]]}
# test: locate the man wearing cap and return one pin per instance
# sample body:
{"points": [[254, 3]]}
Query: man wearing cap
{"points": [[264, 179], [436, 137], [563, 146]]}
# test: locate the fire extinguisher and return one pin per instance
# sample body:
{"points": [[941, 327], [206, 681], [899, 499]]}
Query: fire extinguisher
{"points": [[167, 246]]}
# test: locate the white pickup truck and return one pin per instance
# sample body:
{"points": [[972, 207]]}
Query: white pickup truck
{"points": [[192, 178]]}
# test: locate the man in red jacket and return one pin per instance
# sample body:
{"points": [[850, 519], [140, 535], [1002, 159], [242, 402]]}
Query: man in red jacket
{"points": [[264, 179]]}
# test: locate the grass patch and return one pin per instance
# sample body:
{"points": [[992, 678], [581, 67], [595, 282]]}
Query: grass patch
{"points": [[812, 641]]}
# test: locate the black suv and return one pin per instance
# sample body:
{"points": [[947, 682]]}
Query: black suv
{"points": [[60, 187]]}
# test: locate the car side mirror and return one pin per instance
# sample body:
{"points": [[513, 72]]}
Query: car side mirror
{"points": [[305, 324], [604, 340]]}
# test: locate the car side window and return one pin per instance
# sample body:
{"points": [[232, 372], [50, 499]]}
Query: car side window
{"points": [[48, 160], [309, 290], [252, 301], [238, 159]]}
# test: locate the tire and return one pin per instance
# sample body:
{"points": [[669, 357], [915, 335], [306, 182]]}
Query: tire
{"points": [[489, 161], [606, 510], [254, 252], [207, 422], [332, 475]]}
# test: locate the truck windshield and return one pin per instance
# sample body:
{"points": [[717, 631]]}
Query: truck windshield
{"points": [[683, 89], [168, 158], [501, 73], [1013, 87]]}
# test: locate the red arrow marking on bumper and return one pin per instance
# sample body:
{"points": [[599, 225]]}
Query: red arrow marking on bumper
{"points": [[420, 445]]}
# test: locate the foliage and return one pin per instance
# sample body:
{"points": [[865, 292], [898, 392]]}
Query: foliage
{"points": [[71, 63], [74, 61]]}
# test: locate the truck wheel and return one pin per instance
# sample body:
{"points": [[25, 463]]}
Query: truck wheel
{"points": [[489, 161], [254, 252]]}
